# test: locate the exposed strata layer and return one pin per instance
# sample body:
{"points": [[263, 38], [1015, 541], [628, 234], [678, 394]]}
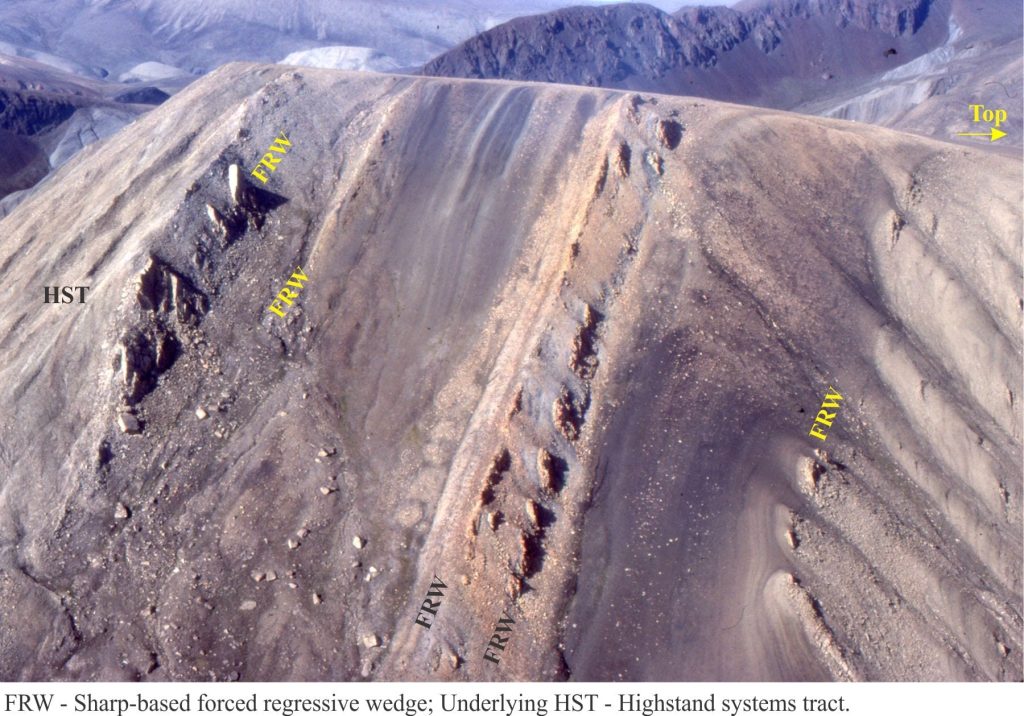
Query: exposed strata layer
{"points": [[560, 347]]}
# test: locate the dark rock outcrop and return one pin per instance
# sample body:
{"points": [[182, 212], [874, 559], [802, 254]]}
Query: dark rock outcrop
{"points": [[46, 115], [143, 95], [29, 113]]}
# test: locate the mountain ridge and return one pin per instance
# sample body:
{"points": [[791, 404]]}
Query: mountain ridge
{"points": [[539, 359], [697, 34], [848, 60]]}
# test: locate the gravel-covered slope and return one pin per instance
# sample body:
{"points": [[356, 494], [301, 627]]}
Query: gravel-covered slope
{"points": [[559, 347]]}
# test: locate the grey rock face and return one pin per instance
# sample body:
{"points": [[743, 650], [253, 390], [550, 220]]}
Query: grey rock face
{"points": [[45, 117], [198, 35], [632, 46]]}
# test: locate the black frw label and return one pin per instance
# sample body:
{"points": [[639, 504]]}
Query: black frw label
{"points": [[428, 610]]}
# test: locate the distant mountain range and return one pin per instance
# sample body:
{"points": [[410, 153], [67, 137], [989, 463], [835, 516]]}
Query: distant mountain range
{"points": [[195, 36], [634, 46], [845, 58]]}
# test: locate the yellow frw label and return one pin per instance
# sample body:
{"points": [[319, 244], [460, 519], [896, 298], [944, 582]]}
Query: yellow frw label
{"points": [[285, 296], [269, 160], [832, 398]]}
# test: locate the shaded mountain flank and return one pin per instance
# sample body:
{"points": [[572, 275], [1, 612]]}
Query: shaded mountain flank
{"points": [[558, 348], [47, 115], [879, 61]]}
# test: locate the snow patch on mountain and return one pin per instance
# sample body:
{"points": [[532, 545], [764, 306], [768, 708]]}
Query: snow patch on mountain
{"points": [[200, 35], [151, 72], [343, 57]]}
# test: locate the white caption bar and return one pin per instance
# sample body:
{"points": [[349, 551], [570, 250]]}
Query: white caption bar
{"points": [[513, 699]]}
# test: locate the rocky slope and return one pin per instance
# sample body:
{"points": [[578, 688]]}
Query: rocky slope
{"points": [[907, 63], [558, 348]]}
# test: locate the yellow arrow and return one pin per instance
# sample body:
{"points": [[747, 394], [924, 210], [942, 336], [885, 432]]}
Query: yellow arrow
{"points": [[993, 135]]}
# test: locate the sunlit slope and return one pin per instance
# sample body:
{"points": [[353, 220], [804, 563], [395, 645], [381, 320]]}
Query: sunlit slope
{"points": [[559, 348]]}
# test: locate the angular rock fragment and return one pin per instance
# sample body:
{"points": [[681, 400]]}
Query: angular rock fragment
{"points": [[235, 186], [531, 514], [371, 640], [216, 219], [143, 355], [494, 519], [129, 424], [550, 470], [162, 290], [656, 163], [670, 132], [622, 159]]}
